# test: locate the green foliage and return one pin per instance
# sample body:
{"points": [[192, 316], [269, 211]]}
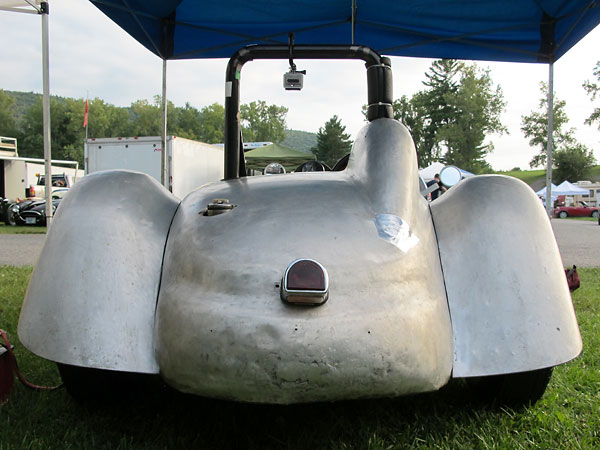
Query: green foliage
{"points": [[535, 127], [21, 116], [262, 122], [300, 140], [572, 163], [212, 124], [477, 107], [332, 142], [593, 89], [566, 416], [452, 117], [8, 126]]}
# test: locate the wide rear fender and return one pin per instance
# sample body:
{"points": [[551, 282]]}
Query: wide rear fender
{"points": [[93, 293], [509, 302]]}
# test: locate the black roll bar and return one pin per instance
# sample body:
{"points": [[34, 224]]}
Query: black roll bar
{"points": [[379, 82]]}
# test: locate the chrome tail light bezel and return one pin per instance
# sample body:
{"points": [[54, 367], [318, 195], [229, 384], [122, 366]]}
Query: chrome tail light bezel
{"points": [[304, 297]]}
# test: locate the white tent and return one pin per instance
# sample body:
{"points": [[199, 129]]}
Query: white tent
{"points": [[566, 188], [429, 172], [542, 192]]}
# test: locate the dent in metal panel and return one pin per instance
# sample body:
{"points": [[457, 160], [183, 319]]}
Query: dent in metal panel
{"points": [[509, 302], [92, 295]]}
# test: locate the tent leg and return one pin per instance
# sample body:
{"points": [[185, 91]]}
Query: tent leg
{"points": [[164, 177], [46, 111], [549, 145]]}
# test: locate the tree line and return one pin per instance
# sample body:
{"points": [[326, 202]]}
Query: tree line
{"points": [[260, 122], [451, 120]]}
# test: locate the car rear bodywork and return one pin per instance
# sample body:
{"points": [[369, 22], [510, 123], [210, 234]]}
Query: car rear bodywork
{"points": [[470, 285]]}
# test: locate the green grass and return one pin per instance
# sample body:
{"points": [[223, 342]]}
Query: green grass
{"points": [[7, 229], [528, 176], [568, 415]]}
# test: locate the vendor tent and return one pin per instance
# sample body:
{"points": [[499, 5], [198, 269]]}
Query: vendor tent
{"points": [[525, 30], [289, 158], [542, 192], [436, 167], [535, 31], [566, 188]]}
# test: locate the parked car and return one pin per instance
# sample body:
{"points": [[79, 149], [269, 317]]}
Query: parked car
{"points": [[304, 287], [581, 209], [32, 211]]}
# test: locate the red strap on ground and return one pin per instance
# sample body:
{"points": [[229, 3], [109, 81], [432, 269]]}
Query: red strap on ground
{"points": [[13, 361]]}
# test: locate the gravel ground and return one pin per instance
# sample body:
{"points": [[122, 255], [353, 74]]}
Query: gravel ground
{"points": [[20, 249], [578, 241]]}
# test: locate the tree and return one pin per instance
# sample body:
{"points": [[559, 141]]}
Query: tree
{"points": [[476, 107], [332, 142], [8, 126], [593, 89], [572, 163], [452, 117], [262, 122], [212, 122], [535, 127]]}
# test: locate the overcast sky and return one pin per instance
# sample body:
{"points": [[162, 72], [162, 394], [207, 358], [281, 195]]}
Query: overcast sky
{"points": [[90, 55]]}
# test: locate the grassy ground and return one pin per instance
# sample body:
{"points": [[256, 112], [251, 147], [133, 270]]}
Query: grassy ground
{"points": [[528, 176], [6, 229], [568, 415]]}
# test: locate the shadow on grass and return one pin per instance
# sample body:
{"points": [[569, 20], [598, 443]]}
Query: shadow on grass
{"points": [[164, 418]]}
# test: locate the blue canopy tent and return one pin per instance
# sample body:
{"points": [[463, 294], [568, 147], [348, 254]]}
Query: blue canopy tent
{"points": [[520, 31], [524, 30]]}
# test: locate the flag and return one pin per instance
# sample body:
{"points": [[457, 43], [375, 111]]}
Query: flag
{"points": [[85, 115]]}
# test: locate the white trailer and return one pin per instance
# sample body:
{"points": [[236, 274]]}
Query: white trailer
{"points": [[190, 164], [20, 176]]}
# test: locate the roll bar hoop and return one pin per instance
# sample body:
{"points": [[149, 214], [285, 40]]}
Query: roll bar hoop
{"points": [[379, 82]]}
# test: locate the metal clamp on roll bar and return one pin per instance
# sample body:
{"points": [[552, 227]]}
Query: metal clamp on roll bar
{"points": [[379, 82]]}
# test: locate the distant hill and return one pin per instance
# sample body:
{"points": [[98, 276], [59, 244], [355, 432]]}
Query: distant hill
{"points": [[23, 100], [537, 178], [300, 140]]}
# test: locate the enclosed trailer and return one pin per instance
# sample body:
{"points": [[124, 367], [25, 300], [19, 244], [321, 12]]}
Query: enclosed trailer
{"points": [[190, 164]]}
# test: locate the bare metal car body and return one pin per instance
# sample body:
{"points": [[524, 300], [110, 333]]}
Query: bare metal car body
{"points": [[418, 293]]}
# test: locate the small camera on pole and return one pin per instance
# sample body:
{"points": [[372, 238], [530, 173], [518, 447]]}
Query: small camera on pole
{"points": [[294, 79]]}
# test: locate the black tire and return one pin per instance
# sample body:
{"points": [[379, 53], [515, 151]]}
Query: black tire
{"points": [[595, 214], [86, 385], [563, 214], [9, 217], [515, 390]]}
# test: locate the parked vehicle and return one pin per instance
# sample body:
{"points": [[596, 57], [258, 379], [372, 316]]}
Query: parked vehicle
{"points": [[32, 211], [304, 287], [580, 209]]}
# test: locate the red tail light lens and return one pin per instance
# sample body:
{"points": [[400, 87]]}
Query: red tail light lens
{"points": [[306, 275], [305, 282]]}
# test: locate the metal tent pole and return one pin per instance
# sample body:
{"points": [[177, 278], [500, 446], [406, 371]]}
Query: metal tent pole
{"points": [[46, 110], [164, 177], [549, 145]]}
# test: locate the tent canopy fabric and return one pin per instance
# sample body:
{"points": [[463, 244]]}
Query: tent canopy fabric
{"points": [[496, 30], [566, 188], [542, 191], [289, 158], [436, 167]]}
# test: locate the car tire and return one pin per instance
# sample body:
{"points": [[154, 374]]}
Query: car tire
{"points": [[9, 218], [516, 390], [563, 214], [595, 214], [88, 385]]}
